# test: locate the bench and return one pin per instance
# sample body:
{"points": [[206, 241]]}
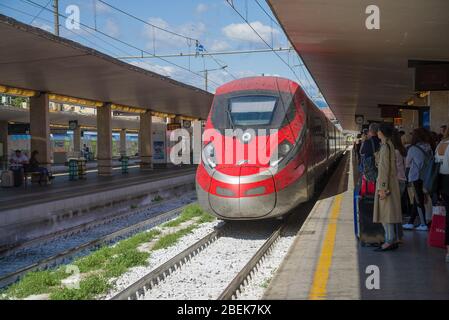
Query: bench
{"points": [[35, 178]]}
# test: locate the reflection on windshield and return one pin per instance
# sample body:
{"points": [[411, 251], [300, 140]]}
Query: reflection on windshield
{"points": [[252, 110]]}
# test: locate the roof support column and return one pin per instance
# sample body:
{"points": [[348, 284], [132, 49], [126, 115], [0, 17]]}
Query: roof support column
{"points": [[439, 109], [145, 141], [40, 128], [104, 140], [123, 142], [77, 140], [4, 142]]}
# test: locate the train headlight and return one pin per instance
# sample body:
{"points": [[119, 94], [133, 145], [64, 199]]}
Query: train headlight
{"points": [[209, 155], [282, 151]]}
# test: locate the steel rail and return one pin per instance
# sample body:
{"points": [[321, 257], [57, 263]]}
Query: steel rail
{"points": [[138, 288], [247, 272], [62, 256]]}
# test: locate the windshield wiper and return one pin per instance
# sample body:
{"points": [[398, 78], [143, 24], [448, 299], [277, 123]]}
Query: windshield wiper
{"points": [[230, 118]]}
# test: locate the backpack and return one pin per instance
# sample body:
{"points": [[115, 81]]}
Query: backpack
{"points": [[429, 172], [369, 165]]}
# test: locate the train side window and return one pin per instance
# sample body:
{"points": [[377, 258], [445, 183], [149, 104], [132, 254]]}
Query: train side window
{"points": [[318, 127]]}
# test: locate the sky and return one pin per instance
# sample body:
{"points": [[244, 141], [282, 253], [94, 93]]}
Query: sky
{"points": [[214, 23]]}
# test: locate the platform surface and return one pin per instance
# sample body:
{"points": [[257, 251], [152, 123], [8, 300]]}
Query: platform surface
{"points": [[61, 187], [327, 262]]}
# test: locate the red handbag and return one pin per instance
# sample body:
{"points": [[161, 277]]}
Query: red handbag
{"points": [[437, 229], [368, 188]]}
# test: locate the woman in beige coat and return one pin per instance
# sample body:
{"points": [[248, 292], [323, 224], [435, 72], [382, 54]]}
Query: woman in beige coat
{"points": [[387, 201]]}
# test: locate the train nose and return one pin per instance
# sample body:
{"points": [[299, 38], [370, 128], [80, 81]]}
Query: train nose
{"points": [[248, 196]]}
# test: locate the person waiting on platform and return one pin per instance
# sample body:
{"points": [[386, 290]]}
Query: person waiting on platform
{"points": [[416, 156], [17, 163], [33, 166], [86, 152], [368, 152], [442, 157], [387, 201], [372, 143]]}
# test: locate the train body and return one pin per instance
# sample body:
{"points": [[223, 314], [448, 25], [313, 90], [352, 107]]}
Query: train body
{"points": [[274, 117]]}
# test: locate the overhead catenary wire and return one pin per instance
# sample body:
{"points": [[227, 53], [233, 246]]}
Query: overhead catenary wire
{"points": [[46, 20], [146, 22], [267, 14], [206, 53], [188, 38], [266, 43], [123, 42], [39, 13], [92, 34], [231, 4]]}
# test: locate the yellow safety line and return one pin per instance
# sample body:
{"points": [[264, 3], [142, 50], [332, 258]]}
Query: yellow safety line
{"points": [[318, 290]]}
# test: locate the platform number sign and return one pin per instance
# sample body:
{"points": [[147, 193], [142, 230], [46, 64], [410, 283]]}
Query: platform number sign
{"points": [[372, 22]]}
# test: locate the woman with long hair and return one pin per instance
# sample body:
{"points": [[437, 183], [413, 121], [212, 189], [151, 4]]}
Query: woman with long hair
{"points": [[442, 157], [387, 201]]}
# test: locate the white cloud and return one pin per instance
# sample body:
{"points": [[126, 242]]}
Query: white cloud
{"points": [[166, 40], [217, 77], [201, 8], [246, 73], [243, 32], [102, 8], [167, 71], [112, 28], [219, 45], [43, 26]]}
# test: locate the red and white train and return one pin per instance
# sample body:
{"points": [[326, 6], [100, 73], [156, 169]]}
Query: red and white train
{"points": [[307, 144]]}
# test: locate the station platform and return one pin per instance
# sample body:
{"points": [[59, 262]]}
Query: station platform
{"points": [[32, 211], [62, 187], [326, 262]]}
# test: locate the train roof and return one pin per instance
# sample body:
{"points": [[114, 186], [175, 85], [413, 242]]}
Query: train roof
{"points": [[258, 83]]}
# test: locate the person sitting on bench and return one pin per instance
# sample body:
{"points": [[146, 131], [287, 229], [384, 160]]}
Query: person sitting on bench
{"points": [[18, 161], [33, 166]]}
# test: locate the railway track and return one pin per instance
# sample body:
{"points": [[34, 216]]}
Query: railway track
{"points": [[120, 215], [63, 256], [245, 275], [139, 289]]}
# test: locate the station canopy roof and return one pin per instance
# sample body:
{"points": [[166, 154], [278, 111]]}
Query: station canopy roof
{"points": [[355, 68], [34, 59]]}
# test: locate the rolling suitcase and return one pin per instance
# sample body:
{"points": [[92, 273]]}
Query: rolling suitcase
{"points": [[369, 233], [7, 178]]}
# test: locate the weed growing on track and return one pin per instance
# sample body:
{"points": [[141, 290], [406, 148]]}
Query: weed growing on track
{"points": [[99, 267], [190, 212], [37, 282], [172, 238]]}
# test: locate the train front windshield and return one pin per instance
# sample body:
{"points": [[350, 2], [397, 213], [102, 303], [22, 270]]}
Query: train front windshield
{"points": [[252, 110]]}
